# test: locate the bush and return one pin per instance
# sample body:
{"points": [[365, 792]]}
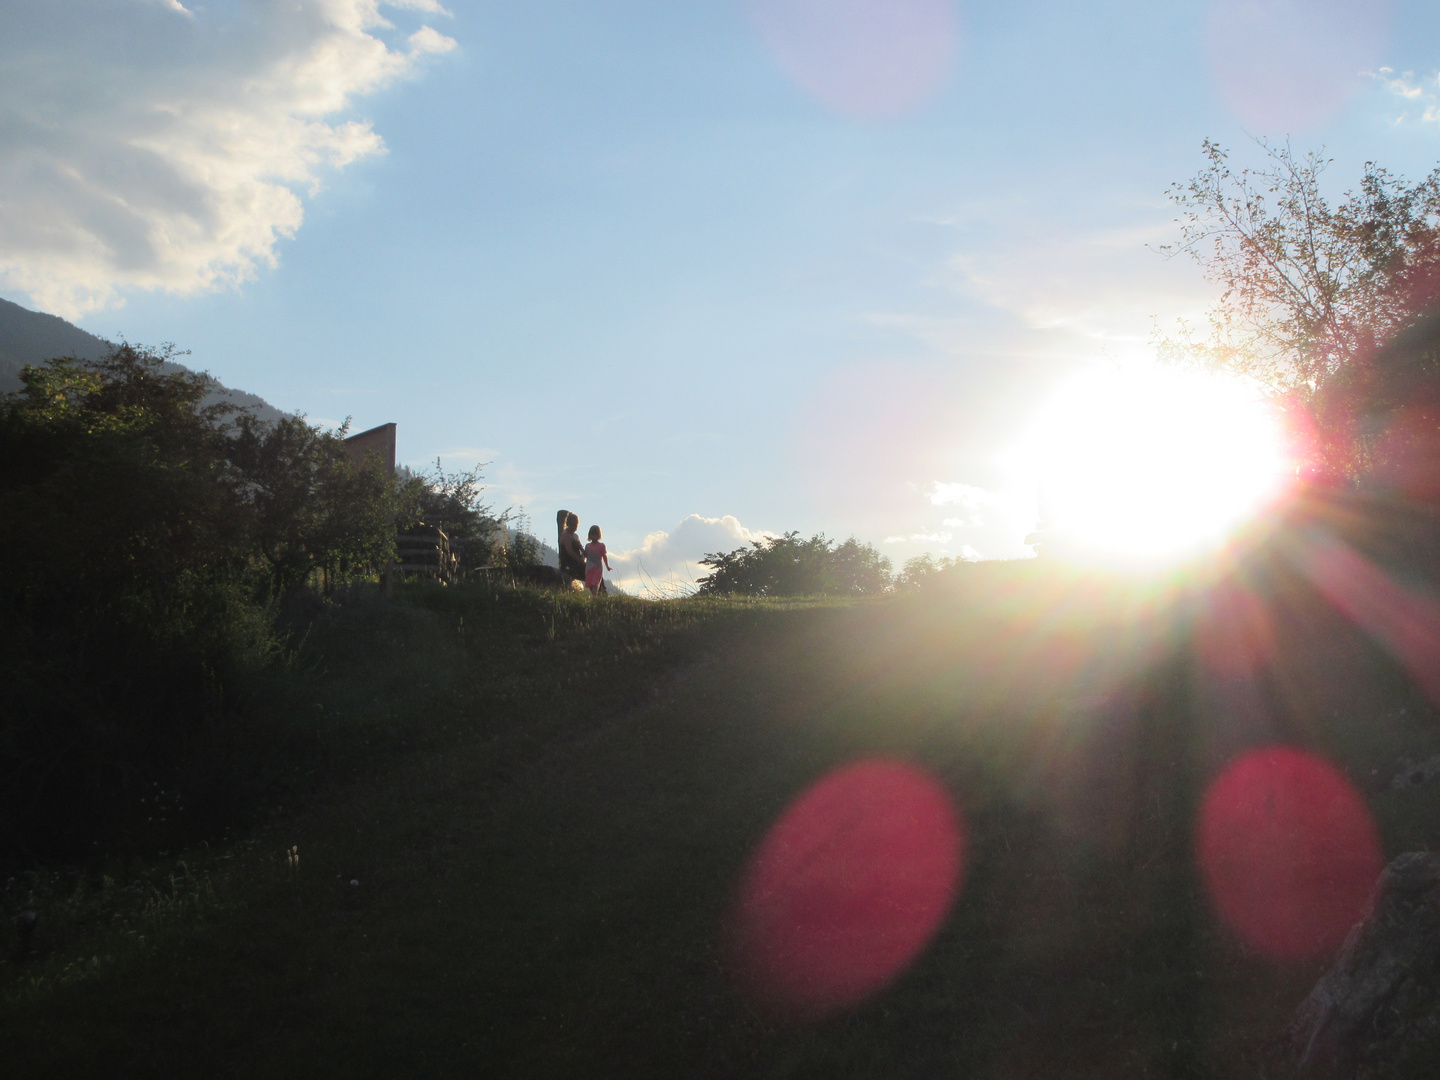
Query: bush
{"points": [[452, 503], [924, 571], [789, 566], [148, 537], [304, 506], [519, 548]]}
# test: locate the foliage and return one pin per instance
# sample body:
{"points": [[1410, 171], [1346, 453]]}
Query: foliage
{"points": [[519, 547], [924, 570], [1311, 292], [111, 470], [452, 502], [513, 545], [305, 505], [147, 537], [789, 566]]}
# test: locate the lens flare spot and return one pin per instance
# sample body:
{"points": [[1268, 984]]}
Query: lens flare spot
{"points": [[869, 59], [1288, 851], [1286, 65], [870, 436], [846, 888]]}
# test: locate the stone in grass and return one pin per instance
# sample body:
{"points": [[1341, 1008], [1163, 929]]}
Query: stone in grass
{"points": [[1376, 1014]]}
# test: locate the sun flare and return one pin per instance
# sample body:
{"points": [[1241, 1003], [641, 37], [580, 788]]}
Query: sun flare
{"points": [[1155, 463]]}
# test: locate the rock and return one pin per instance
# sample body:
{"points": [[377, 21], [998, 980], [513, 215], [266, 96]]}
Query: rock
{"points": [[1376, 1014], [1414, 773]]}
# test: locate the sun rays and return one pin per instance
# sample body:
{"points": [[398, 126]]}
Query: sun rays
{"points": [[1151, 465]]}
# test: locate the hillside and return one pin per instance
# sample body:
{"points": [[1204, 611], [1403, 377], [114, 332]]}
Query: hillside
{"points": [[535, 869], [32, 337]]}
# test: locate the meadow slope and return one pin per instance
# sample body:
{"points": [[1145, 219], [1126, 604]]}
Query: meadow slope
{"points": [[534, 877]]}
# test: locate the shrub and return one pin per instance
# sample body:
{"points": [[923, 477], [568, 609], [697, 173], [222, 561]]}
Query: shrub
{"points": [[147, 537], [924, 571], [304, 505], [452, 502], [789, 566]]}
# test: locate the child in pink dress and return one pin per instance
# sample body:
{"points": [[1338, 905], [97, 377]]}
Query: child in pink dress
{"points": [[594, 556]]}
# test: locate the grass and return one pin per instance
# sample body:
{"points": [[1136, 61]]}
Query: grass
{"points": [[520, 818]]}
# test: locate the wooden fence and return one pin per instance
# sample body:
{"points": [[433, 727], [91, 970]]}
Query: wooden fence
{"points": [[426, 551]]}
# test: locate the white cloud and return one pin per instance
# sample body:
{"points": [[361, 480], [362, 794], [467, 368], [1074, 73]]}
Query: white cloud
{"points": [[432, 7], [1104, 288], [966, 496], [971, 521], [667, 563], [145, 145], [941, 538], [1423, 94]]}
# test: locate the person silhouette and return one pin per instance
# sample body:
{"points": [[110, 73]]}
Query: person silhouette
{"points": [[572, 555], [595, 554]]}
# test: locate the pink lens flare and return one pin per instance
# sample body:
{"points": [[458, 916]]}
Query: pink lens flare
{"points": [[872, 437], [1288, 852], [1284, 66], [868, 59], [846, 888], [1304, 447]]}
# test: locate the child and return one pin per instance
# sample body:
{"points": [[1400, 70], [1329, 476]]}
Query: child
{"points": [[594, 555]]}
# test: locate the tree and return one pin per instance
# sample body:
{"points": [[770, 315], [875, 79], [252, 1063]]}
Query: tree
{"points": [[924, 570], [121, 470], [305, 505], [789, 566], [1311, 292], [124, 600], [517, 547], [145, 533], [452, 502]]}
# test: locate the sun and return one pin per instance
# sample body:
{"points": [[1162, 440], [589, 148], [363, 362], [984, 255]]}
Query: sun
{"points": [[1153, 464]]}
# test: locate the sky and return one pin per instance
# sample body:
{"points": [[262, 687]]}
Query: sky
{"points": [[699, 272]]}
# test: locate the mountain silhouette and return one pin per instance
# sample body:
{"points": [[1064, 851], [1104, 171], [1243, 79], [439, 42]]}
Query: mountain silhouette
{"points": [[32, 337]]}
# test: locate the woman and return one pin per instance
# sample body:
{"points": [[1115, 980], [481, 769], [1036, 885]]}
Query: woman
{"points": [[572, 555]]}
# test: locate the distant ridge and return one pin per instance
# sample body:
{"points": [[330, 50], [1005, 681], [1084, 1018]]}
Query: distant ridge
{"points": [[32, 337]]}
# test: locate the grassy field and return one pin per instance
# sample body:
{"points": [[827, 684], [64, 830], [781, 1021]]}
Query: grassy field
{"points": [[520, 820]]}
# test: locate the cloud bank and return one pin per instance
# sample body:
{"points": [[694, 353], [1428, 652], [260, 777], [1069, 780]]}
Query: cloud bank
{"points": [[145, 144], [669, 563]]}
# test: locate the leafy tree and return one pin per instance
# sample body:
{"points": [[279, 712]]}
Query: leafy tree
{"points": [[453, 503], [1311, 291], [519, 547], [144, 533], [122, 596], [789, 566], [305, 505], [923, 570], [113, 471]]}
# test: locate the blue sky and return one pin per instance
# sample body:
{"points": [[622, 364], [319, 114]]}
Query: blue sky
{"points": [[686, 269]]}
